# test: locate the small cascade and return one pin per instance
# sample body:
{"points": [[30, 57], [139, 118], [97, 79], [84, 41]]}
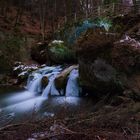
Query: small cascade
{"points": [[72, 88], [50, 88], [34, 83]]}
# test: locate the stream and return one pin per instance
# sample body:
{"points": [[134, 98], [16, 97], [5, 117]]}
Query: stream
{"points": [[37, 102]]}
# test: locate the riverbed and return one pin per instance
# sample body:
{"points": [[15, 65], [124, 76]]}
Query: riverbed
{"points": [[19, 105]]}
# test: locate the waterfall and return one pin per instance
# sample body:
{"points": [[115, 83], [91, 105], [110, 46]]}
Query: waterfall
{"points": [[34, 80], [72, 88], [49, 88], [34, 83]]}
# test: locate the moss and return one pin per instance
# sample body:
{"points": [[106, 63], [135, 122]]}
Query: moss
{"points": [[60, 53]]}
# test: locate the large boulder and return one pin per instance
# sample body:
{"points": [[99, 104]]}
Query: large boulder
{"points": [[99, 77], [94, 55], [109, 66]]}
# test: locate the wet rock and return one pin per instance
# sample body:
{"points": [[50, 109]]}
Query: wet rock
{"points": [[44, 81], [61, 79], [21, 71], [23, 76], [21, 68], [17, 63], [18, 68]]}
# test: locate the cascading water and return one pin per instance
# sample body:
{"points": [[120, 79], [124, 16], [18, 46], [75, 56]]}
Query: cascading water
{"points": [[34, 83], [72, 88], [50, 88], [42, 81], [34, 80]]}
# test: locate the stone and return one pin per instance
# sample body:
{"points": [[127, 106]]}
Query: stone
{"points": [[95, 63], [99, 76], [61, 79], [45, 81]]}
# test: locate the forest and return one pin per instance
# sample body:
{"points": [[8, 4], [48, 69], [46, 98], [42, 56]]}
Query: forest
{"points": [[69, 69]]}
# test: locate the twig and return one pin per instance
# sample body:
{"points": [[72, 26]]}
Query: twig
{"points": [[78, 122], [14, 125], [127, 130]]}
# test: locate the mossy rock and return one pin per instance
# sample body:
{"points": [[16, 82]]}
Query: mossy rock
{"points": [[59, 53]]}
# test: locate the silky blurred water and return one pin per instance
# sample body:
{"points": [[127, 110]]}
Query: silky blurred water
{"points": [[18, 105]]}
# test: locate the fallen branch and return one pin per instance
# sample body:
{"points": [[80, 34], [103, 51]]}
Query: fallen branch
{"points": [[15, 125]]}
